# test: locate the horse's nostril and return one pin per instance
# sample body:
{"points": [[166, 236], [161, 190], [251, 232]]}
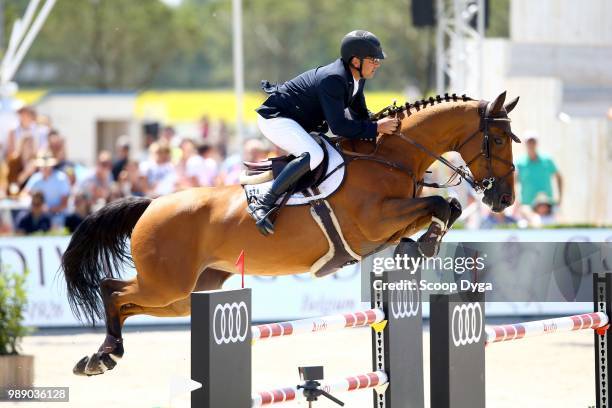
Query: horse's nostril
{"points": [[506, 199]]}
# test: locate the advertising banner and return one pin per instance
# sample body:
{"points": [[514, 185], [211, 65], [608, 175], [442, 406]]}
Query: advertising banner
{"points": [[274, 298]]}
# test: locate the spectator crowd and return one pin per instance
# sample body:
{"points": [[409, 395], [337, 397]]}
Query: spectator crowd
{"points": [[42, 190]]}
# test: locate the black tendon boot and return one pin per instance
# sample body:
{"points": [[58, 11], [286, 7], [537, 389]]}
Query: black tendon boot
{"points": [[261, 208]]}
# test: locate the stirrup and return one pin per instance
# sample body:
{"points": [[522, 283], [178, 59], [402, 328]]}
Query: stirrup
{"points": [[265, 226]]}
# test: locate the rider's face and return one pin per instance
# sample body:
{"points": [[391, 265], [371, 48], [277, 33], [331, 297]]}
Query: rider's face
{"points": [[370, 65]]}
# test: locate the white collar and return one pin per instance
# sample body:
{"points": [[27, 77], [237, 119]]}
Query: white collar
{"points": [[355, 86]]}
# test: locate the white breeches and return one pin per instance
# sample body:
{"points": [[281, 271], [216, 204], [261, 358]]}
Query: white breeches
{"points": [[291, 137]]}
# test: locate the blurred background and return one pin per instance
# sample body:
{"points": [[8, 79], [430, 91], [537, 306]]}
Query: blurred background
{"points": [[103, 99]]}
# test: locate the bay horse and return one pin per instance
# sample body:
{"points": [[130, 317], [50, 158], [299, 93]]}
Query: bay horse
{"points": [[188, 241]]}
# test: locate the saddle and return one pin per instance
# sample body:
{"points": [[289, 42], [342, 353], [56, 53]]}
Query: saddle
{"points": [[312, 190], [267, 170]]}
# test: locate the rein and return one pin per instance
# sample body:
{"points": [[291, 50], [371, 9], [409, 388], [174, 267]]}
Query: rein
{"points": [[458, 171], [353, 156]]}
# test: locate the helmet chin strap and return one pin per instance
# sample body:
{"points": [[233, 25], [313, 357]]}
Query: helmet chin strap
{"points": [[360, 67]]}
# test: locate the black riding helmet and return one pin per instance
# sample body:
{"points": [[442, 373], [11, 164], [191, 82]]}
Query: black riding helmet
{"points": [[361, 44]]}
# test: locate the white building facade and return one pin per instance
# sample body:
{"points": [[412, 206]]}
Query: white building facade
{"points": [[558, 61]]}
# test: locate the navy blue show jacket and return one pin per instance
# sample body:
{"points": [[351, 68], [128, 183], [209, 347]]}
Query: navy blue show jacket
{"points": [[319, 100]]}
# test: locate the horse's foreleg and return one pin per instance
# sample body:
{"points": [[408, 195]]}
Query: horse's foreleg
{"points": [[455, 211], [401, 217], [444, 213], [394, 217]]}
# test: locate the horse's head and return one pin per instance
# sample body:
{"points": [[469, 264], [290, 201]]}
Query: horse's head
{"points": [[488, 153]]}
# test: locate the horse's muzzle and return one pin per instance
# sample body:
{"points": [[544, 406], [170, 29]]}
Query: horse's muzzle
{"points": [[499, 197]]}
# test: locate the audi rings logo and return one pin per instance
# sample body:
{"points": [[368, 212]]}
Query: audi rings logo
{"points": [[467, 324], [230, 323], [405, 303]]}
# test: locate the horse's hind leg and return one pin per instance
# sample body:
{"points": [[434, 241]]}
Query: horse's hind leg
{"points": [[210, 279], [112, 349], [116, 295], [125, 298]]}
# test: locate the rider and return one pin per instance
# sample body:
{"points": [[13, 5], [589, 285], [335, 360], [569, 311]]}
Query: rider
{"points": [[316, 101]]}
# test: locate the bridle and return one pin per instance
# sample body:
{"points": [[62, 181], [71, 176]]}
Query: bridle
{"points": [[463, 172], [486, 122]]}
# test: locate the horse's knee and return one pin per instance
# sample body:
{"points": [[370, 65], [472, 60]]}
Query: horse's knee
{"points": [[440, 208]]}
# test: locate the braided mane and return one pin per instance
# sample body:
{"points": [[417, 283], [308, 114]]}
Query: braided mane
{"points": [[422, 104]]}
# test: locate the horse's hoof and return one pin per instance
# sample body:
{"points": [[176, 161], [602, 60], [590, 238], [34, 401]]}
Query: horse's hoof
{"points": [[97, 364], [79, 368]]}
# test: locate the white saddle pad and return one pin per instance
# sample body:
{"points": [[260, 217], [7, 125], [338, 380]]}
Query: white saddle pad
{"points": [[326, 188]]}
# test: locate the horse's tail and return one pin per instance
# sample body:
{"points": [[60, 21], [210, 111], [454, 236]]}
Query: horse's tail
{"points": [[98, 249]]}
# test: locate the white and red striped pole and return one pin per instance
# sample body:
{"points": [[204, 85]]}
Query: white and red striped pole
{"points": [[508, 332], [221, 334], [353, 383], [458, 337], [318, 324]]}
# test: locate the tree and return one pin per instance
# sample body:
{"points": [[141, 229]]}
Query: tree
{"points": [[129, 44], [107, 44]]}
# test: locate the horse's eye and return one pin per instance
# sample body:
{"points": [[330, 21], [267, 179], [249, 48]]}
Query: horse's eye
{"points": [[499, 141]]}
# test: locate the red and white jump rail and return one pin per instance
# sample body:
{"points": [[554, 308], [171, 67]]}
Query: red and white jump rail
{"points": [[221, 348], [318, 324], [508, 332], [288, 394], [458, 336]]}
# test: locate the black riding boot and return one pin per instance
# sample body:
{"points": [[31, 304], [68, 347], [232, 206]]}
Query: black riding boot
{"points": [[262, 207]]}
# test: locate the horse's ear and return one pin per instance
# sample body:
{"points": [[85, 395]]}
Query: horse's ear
{"points": [[511, 105], [515, 137], [497, 104]]}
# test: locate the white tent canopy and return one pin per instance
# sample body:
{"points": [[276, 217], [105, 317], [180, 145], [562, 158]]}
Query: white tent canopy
{"points": [[23, 34]]}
